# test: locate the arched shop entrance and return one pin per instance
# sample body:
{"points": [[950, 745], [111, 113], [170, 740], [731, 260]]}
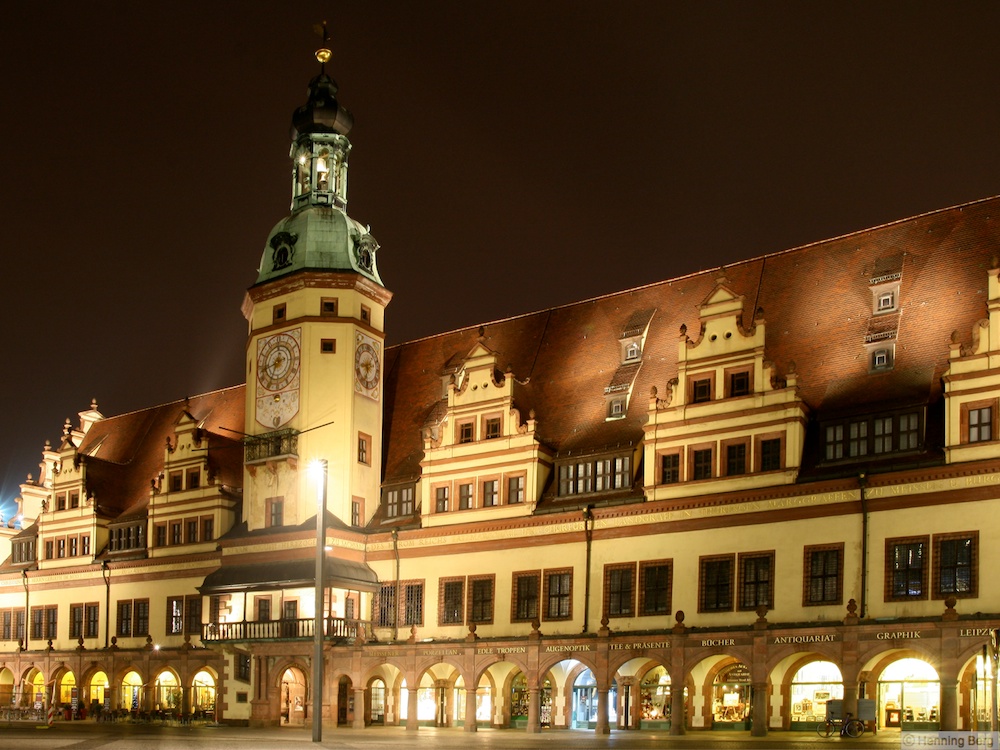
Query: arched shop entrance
{"points": [[484, 702], [909, 694], [130, 695], [167, 695], [293, 697], [203, 694], [6, 687], [100, 694], [654, 697], [376, 710], [812, 686], [584, 709], [731, 697]]}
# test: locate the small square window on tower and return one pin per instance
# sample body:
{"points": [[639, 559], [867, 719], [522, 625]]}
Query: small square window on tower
{"points": [[278, 313], [366, 314], [328, 346], [328, 307]]}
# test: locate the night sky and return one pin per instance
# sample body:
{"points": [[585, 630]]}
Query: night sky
{"points": [[509, 157]]}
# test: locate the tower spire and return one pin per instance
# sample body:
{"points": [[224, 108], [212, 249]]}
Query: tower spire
{"points": [[323, 53]]}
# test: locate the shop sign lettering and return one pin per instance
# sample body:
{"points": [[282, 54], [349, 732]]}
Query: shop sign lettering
{"points": [[559, 649], [895, 634], [718, 642], [639, 645], [503, 650], [782, 639]]}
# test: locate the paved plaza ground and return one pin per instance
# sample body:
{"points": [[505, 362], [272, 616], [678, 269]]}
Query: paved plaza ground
{"points": [[88, 735]]}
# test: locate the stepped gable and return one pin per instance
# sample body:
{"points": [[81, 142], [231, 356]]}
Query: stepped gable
{"points": [[816, 301], [129, 448]]}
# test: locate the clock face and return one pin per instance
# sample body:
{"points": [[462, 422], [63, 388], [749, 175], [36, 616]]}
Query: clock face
{"points": [[278, 361], [367, 368]]}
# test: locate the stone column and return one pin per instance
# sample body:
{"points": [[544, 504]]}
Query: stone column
{"points": [[949, 705], [759, 714], [359, 708], [534, 710], [470, 710], [676, 705], [411, 709], [850, 699], [603, 726]]}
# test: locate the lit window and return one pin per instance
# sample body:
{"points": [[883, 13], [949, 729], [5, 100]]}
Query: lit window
{"points": [[632, 352], [515, 490], [464, 496], [491, 493], [441, 500], [981, 424]]}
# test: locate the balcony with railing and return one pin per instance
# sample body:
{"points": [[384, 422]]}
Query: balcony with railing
{"points": [[334, 629], [271, 446]]}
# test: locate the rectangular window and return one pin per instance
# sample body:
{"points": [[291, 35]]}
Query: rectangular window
{"points": [[60, 548], [328, 346], [75, 621], [981, 424], [602, 477], [392, 503], [74, 499], [956, 559], [275, 511], [243, 666], [739, 383], [736, 459], [278, 313], [716, 584], [526, 586], [702, 391], [491, 493], [263, 608], [823, 574], [466, 432], [756, 581], [385, 615], [481, 600], [357, 518], [74, 546], [140, 617], [441, 500], [906, 568], [37, 622], [909, 432], [883, 434], [885, 302], [175, 615], [160, 532], [670, 468], [124, 617], [85, 544], [406, 501], [558, 594], [192, 530], [366, 314], [49, 550], [464, 496], [622, 467], [654, 587], [619, 590], [61, 501], [176, 481], [770, 454], [92, 614], [192, 615], [702, 468], [207, 529], [515, 490], [175, 532], [452, 601], [492, 428], [51, 621], [364, 449], [193, 479], [857, 442], [328, 307], [834, 442], [413, 604]]}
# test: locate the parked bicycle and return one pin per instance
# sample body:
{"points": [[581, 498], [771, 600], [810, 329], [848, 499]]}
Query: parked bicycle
{"points": [[849, 727]]}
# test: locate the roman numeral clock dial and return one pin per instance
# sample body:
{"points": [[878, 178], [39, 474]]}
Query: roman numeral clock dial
{"points": [[278, 370], [367, 366]]}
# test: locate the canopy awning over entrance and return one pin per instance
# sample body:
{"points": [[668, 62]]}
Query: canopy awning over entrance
{"points": [[287, 574]]}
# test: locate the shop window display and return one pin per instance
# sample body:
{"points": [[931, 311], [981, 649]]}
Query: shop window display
{"points": [[909, 692], [812, 687], [731, 698]]}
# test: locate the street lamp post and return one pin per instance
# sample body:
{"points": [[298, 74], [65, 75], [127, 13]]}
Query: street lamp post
{"points": [[106, 573], [321, 469], [27, 608]]}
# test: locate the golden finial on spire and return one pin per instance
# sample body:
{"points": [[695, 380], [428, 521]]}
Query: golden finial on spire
{"points": [[323, 53]]}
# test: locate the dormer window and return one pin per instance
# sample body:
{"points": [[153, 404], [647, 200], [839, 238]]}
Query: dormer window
{"points": [[632, 352], [616, 408], [882, 359], [885, 302]]}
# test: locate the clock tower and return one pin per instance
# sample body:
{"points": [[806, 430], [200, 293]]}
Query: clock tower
{"points": [[316, 337]]}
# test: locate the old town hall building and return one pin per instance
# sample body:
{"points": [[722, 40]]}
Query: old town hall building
{"points": [[716, 502]]}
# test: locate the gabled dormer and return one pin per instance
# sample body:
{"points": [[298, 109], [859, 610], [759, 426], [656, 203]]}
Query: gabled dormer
{"points": [[632, 341], [481, 459], [972, 385], [727, 420]]}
